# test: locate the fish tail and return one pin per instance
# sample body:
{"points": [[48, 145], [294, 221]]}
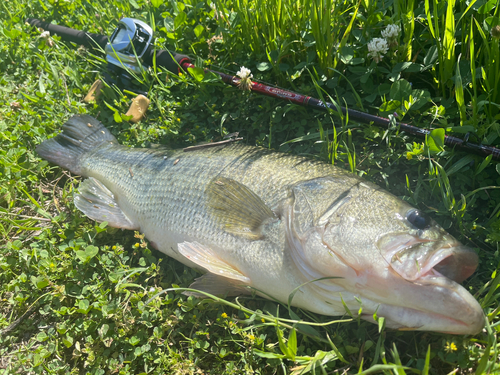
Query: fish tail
{"points": [[81, 133]]}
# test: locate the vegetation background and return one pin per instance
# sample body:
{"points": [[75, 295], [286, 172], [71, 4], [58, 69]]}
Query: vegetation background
{"points": [[77, 297]]}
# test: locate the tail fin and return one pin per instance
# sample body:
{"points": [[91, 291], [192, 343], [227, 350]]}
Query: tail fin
{"points": [[80, 134]]}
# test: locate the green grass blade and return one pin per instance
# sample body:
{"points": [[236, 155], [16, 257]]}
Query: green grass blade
{"points": [[459, 93], [473, 71], [427, 366], [449, 40], [429, 20]]}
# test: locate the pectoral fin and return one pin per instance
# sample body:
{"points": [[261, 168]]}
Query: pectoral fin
{"points": [[240, 211], [97, 202]]}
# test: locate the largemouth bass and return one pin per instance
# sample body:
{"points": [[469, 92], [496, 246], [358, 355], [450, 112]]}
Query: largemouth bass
{"points": [[256, 219]]}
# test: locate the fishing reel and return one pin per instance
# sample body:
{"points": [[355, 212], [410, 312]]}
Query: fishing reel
{"points": [[128, 45]]}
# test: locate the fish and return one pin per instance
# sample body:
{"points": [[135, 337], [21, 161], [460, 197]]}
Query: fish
{"points": [[278, 225]]}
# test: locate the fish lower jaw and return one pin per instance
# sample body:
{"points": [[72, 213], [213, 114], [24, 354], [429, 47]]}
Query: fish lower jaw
{"points": [[408, 319]]}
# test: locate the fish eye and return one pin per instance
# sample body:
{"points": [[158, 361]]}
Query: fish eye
{"points": [[418, 219]]}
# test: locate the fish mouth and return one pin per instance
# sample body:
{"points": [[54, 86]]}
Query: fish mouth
{"points": [[444, 272], [455, 263], [415, 258], [434, 302], [428, 295]]}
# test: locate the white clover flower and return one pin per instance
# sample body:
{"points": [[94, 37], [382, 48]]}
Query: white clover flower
{"points": [[377, 48], [391, 31], [391, 34], [245, 78], [45, 35], [244, 73]]}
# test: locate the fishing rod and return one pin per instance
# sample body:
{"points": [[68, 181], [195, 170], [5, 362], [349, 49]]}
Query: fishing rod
{"points": [[130, 46]]}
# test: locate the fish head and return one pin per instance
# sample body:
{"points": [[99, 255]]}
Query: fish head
{"points": [[379, 250]]}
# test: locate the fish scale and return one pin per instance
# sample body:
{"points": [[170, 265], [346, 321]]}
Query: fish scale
{"points": [[276, 223]]}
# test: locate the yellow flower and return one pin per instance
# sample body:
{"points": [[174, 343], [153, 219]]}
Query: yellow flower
{"points": [[224, 315], [263, 320], [450, 347], [137, 244]]}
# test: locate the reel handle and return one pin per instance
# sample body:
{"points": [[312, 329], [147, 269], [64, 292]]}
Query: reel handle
{"points": [[71, 35]]}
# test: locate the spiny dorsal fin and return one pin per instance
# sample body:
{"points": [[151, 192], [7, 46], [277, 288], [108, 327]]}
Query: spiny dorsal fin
{"points": [[240, 211]]}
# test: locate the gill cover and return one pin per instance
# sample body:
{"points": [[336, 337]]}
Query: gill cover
{"points": [[314, 206]]}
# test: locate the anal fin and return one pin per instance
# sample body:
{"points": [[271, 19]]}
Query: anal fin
{"points": [[98, 203]]}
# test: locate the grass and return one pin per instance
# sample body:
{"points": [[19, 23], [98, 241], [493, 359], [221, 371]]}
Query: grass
{"points": [[74, 294]]}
